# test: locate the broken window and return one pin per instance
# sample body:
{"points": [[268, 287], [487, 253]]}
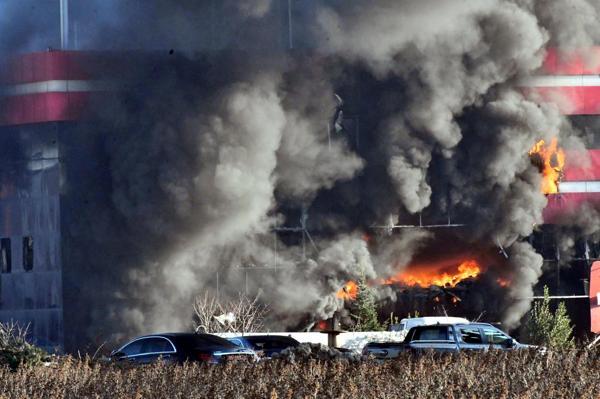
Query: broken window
{"points": [[28, 253], [5, 255]]}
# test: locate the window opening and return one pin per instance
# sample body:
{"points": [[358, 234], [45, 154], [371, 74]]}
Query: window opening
{"points": [[28, 253], [5, 255]]}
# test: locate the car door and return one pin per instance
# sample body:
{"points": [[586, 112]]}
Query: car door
{"points": [[497, 339], [156, 347], [471, 338]]}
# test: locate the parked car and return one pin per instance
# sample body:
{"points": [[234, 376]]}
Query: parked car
{"points": [[457, 337], [447, 338], [406, 324], [265, 345], [181, 347]]}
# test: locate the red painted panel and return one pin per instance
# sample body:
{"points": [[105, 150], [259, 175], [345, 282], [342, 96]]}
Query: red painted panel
{"points": [[56, 107], [49, 65], [579, 62], [595, 297], [561, 206], [39, 106], [43, 107], [583, 172], [570, 100], [592, 100]]}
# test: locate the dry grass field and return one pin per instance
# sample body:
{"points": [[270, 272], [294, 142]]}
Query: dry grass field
{"points": [[527, 374]]}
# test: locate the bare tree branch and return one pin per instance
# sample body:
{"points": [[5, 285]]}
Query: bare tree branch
{"points": [[241, 315]]}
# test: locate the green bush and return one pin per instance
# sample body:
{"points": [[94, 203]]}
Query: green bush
{"points": [[550, 329], [365, 310]]}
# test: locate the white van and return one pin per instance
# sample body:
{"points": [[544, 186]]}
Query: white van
{"points": [[407, 324]]}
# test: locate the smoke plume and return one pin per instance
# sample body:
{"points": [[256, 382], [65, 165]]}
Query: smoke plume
{"points": [[231, 165]]}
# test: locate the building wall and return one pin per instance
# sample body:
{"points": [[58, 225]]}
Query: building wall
{"points": [[31, 289]]}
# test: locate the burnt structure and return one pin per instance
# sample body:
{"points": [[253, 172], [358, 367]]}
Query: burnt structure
{"points": [[55, 168]]}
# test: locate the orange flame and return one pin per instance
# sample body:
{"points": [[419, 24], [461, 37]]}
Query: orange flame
{"points": [[550, 159], [444, 273], [440, 275], [348, 292]]}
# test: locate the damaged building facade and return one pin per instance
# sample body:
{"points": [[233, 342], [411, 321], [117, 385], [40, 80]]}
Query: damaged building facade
{"points": [[56, 167]]}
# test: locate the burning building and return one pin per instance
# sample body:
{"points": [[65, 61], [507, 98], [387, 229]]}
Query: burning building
{"points": [[287, 149]]}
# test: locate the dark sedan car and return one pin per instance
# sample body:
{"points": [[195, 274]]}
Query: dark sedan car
{"points": [[265, 345], [181, 347]]}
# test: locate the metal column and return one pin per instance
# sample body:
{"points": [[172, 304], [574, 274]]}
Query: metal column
{"points": [[64, 24]]}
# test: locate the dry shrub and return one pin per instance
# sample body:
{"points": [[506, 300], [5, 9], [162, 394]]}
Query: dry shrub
{"points": [[524, 374], [15, 350]]}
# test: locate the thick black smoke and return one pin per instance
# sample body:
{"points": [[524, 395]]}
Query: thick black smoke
{"points": [[225, 140]]}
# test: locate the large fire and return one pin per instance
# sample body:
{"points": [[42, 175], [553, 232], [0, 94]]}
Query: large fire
{"points": [[440, 274], [444, 273], [551, 161]]}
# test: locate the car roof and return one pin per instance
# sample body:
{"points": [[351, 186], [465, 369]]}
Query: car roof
{"points": [[172, 334], [267, 337], [183, 337], [261, 336], [177, 335], [440, 319], [456, 324]]}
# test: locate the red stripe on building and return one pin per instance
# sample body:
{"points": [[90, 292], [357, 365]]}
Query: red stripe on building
{"points": [[582, 100], [579, 62], [43, 107], [42, 66], [587, 168], [563, 206], [62, 65]]}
